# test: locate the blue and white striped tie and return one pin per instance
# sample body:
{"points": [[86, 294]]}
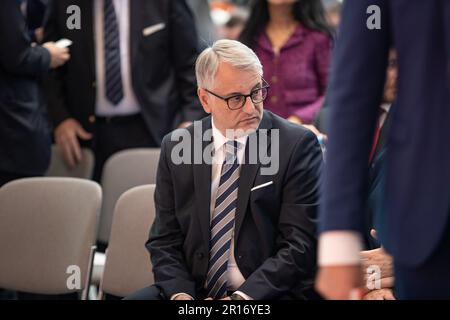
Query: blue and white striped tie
{"points": [[222, 224], [113, 73]]}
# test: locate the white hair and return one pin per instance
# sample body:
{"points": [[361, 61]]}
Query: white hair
{"points": [[232, 52]]}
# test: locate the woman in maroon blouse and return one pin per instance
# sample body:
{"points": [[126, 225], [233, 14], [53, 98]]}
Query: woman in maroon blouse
{"points": [[293, 42]]}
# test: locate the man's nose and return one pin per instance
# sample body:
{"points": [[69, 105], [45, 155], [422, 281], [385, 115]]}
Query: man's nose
{"points": [[249, 106]]}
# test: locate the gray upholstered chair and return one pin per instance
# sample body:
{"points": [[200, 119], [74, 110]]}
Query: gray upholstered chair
{"points": [[82, 170], [128, 267], [123, 171], [47, 234]]}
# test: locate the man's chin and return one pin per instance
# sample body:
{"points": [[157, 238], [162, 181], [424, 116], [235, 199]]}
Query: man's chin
{"points": [[247, 129]]}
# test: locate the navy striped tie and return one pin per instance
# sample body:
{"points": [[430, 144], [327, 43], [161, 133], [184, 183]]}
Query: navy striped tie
{"points": [[222, 224], [113, 74]]}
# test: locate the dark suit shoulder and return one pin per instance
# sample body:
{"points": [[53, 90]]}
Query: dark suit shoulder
{"points": [[198, 127], [290, 133]]}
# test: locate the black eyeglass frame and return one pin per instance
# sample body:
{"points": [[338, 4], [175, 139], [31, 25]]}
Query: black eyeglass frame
{"points": [[265, 86]]}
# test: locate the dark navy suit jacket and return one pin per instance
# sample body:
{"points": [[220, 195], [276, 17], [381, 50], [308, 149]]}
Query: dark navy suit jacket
{"points": [[417, 164]]}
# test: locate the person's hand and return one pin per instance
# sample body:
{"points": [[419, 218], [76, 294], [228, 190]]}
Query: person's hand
{"points": [[183, 297], [383, 260], [66, 137], [381, 294], [58, 56], [378, 257], [340, 282], [226, 298]]}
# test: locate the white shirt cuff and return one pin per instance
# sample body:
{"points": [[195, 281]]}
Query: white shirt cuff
{"points": [[338, 248], [243, 295], [178, 294]]}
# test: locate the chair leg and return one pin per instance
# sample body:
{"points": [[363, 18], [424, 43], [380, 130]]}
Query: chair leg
{"points": [[85, 293]]}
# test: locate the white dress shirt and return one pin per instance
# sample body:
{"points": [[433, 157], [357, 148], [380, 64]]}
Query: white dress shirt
{"points": [[129, 104], [386, 107], [235, 278]]}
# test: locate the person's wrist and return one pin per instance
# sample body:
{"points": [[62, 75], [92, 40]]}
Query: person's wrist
{"points": [[236, 296], [182, 296]]}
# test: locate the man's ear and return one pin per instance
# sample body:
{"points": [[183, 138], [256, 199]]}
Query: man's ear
{"points": [[205, 99]]}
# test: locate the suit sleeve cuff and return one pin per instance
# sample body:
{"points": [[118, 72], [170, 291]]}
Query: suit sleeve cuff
{"points": [[337, 248], [173, 297]]}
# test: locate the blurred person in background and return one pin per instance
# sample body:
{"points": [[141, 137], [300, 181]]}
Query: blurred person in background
{"points": [[206, 29], [333, 12], [293, 42], [131, 78], [414, 225], [24, 130], [233, 27], [373, 253]]}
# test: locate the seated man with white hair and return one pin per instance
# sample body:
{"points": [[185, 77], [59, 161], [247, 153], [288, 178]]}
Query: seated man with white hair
{"points": [[235, 214]]}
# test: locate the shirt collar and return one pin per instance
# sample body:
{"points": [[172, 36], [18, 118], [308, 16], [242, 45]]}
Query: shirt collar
{"points": [[219, 139], [386, 106]]}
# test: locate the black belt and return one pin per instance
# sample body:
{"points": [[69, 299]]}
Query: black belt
{"points": [[118, 119]]}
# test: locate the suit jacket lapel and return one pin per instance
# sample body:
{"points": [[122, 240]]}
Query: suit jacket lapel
{"points": [[249, 172], [202, 184]]}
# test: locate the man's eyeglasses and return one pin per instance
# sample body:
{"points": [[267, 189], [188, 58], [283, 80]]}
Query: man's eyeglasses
{"points": [[237, 101]]}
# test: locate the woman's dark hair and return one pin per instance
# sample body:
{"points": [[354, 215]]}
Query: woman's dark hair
{"points": [[310, 13]]}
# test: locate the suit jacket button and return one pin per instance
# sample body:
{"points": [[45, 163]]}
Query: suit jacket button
{"points": [[91, 119], [200, 255]]}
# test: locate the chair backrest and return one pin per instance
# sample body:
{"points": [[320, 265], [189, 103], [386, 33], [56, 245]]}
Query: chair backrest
{"points": [[82, 170], [47, 230], [128, 267], [123, 171]]}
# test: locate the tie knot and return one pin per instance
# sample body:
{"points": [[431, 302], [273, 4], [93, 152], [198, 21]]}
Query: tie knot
{"points": [[231, 147]]}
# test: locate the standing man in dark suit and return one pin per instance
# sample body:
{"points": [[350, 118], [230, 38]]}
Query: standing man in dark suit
{"points": [[226, 227], [416, 224], [24, 130], [131, 78]]}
